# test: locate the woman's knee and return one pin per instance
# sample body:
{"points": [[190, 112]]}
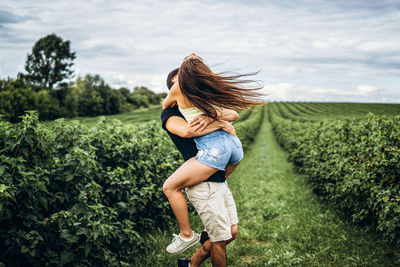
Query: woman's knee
{"points": [[169, 188]]}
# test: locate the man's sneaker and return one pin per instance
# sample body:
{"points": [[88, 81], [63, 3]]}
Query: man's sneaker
{"points": [[179, 244], [183, 262], [204, 237]]}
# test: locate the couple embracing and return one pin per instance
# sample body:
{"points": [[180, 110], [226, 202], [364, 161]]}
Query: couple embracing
{"points": [[197, 115]]}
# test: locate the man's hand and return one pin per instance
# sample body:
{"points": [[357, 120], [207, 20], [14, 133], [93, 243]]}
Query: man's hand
{"points": [[228, 127], [200, 122]]}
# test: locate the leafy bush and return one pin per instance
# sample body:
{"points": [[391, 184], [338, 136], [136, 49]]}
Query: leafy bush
{"points": [[354, 163], [83, 196], [73, 194], [247, 128]]}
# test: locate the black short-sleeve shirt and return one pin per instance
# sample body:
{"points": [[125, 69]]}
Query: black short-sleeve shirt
{"points": [[186, 146]]}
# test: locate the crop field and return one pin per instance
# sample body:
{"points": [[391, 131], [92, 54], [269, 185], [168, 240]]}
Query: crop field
{"points": [[306, 111], [135, 116], [318, 186]]}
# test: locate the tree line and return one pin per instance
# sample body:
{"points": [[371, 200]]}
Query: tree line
{"points": [[47, 87]]}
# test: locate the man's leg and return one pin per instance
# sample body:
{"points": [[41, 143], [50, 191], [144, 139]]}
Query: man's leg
{"points": [[218, 254], [218, 251], [203, 252], [216, 214]]}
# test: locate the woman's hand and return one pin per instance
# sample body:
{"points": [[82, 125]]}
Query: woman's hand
{"points": [[201, 122], [229, 128]]}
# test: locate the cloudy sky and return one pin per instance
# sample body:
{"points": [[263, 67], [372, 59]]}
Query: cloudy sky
{"points": [[306, 50]]}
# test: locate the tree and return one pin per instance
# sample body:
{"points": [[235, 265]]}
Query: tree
{"points": [[15, 98], [162, 95], [95, 97], [90, 102], [67, 100], [47, 105], [152, 98], [50, 61], [124, 91]]}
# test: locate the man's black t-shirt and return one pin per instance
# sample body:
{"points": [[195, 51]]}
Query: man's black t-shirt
{"points": [[186, 146]]}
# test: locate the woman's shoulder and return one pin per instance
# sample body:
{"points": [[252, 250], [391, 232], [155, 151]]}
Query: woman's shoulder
{"points": [[175, 90]]}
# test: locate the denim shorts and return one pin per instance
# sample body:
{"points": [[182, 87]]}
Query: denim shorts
{"points": [[218, 149]]}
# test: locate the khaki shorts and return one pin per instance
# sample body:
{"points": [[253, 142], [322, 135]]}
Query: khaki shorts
{"points": [[217, 209]]}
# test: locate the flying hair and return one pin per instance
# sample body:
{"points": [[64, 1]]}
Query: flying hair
{"points": [[206, 89]]}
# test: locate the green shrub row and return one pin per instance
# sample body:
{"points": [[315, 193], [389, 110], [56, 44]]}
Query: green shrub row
{"points": [[313, 111], [85, 196], [247, 129], [354, 163], [243, 115], [81, 196]]}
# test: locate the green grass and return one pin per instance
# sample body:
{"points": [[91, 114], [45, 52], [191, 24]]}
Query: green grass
{"points": [[281, 222], [139, 115]]}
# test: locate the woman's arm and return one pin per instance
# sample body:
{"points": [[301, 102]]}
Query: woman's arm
{"points": [[202, 121], [180, 127], [227, 115], [170, 100], [215, 125]]}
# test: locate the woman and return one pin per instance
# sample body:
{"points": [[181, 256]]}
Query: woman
{"points": [[201, 96]]}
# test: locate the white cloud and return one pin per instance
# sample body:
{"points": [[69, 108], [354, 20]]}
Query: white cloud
{"points": [[295, 92], [130, 81], [379, 47], [367, 89], [305, 47], [320, 45]]}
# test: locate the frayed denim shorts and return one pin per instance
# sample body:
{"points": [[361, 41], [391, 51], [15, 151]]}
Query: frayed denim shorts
{"points": [[218, 149]]}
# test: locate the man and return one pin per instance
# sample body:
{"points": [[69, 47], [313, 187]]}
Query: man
{"points": [[211, 198]]}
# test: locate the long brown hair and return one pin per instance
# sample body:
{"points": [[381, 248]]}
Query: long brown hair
{"points": [[203, 88]]}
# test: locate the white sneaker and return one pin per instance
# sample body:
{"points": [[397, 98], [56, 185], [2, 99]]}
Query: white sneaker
{"points": [[179, 245]]}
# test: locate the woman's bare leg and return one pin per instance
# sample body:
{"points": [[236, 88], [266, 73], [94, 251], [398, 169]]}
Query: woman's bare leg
{"points": [[190, 173], [230, 168]]}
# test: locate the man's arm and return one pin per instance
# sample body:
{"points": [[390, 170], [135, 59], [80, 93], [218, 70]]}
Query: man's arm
{"points": [[180, 127]]}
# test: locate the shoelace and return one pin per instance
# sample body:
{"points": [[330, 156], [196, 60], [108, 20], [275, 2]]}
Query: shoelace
{"points": [[175, 239]]}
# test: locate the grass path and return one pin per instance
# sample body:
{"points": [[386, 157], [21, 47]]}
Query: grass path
{"points": [[282, 223]]}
